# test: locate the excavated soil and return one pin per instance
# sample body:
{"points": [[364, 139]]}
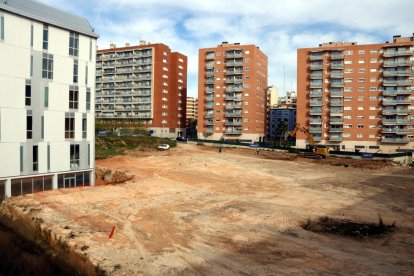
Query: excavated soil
{"points": [[194, 211]]}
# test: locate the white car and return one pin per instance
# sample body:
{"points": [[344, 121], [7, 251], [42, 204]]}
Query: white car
{"points": [[163, 147]]}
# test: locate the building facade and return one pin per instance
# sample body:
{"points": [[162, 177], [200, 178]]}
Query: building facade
{"points": [[272, 96], [358, 96], [145, 83], [47, 120], [232, 93], [278, 116], [288, 101], [192, 108]]}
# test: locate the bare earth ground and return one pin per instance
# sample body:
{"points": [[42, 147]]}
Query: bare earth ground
{"points": [[192, 210]]}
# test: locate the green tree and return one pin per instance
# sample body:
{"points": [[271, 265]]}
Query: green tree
{"points": [[281, 129]]}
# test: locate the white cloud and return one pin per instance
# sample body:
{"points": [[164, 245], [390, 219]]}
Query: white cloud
{"points": [[278, 27]]}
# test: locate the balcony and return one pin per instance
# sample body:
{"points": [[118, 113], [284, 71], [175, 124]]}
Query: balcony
{"points": [[337, 65], [209, 106], [315, 94], [316, 57], [209, 73], [234, 80], [396, 92], [314, 121], [209, 56], [337, 103], [233, 98], [209, 99], [234, 72], [336, 112], [396, 111], [316, 66], [315, 130], [233, 114], [233, 106], [234, 63], [398, 131], [337, 84], [337, 94], [209, 81], [315, 111], [336, 129], [337, 56], [390, 73], [234, 89], [314, 84], [233, 123], [209, 115], [396, 122], [233, 131], [210, 65], [335, 138], [336, 121], [397, 53], [315, 76], [337, 76], [396, 63], [209, 123], [209, 90], [395, 140], [234, 55], [315, 103], [396, 102]]}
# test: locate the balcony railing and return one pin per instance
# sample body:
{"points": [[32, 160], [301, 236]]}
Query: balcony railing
{"points": [[335, 138], [337, 103], [337, 65], [315, 103], [316, 66], [209, 99], [209, 56], [234, 89], [209, 115], [313, 121], [395, 140], [316, 76], [209, 90], [396, 63], [397, 53], [337, 84], [398, 131], [234, 55], [337, 76], [233, 131], [233, 106], [396, 122], [337, 94], [234, 63], [395, 102], [396, 111], [336, 121], [336, 111], [233, 98], [233, 114], [234, 72], [316, 57], [336, 129], [337, 56], [210, 81], [315, 111], [209, 74], [315, 85], [209, 123], [234, 80], [233, 123], [315, 94], [315, 129], [209, 106]]}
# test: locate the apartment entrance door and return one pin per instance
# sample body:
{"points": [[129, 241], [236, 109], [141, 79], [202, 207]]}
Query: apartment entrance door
{"points": [[69, 182]]}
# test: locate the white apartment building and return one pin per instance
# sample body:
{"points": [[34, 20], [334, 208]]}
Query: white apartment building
{"points": [[47, 87]]}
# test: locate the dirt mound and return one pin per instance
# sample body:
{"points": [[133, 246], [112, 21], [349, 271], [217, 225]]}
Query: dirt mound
{"points": [[348, 228], [104, 176]]}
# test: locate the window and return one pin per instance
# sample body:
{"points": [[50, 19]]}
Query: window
{"points": [[373, 98], [360, 117], [348, 62], [46, 97], [348, 89], [35, 158], [348, 80], [84, 128], [31, 65], [247, 69], [47, 66], [73, 44], [373, 89], [361, 80], [75, 71], [86, 74], [360, 126], [360, 98], [348, 71], [29, 126], [373, 79], [373, 60], [31, 35], [42, 127], [361, 61], [74, 156], [373, 51], [70, 125], [360, 108], [28, 96], [361, 52], [361, 70], [88, 98], [373, 70], [48, 157], [45, 37], [349, 52], [90, 49], [361, 89], [73, 97], [247, 52]]}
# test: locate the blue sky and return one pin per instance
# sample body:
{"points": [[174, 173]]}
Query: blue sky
{"points": [[278, 27]]}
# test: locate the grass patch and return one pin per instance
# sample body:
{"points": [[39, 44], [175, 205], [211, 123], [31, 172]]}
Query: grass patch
{"points": [[107, 146]]}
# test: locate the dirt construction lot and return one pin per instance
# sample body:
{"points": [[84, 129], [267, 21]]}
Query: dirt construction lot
{"points": [[192, 210]]}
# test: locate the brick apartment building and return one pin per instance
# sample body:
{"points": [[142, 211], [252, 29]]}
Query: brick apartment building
{"points": [[147, 83], [232, 93], [192, 108], [357, 96]]}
